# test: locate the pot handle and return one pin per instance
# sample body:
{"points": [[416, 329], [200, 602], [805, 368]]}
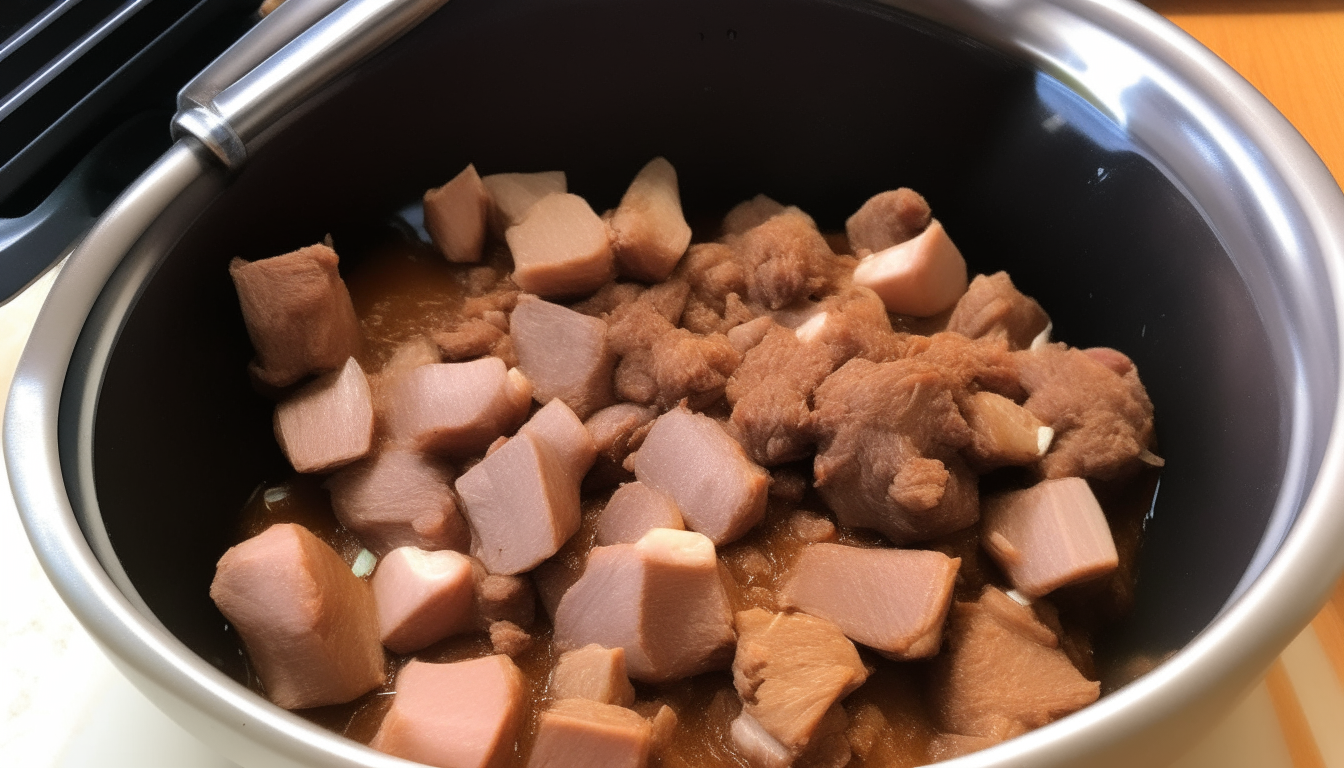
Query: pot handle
{"points": [[266, 73]]}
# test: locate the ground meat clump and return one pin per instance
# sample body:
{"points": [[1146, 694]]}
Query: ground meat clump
{"points": [[661, 364]]}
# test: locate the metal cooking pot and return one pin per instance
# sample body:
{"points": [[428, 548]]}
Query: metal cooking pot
{"points": [[1150, 198]]}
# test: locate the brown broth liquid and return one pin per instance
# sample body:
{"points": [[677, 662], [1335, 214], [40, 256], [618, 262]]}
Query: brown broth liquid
{"points": [[403, 289]]}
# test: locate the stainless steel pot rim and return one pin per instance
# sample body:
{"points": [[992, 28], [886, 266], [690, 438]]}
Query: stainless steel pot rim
{"points": [[1092, 46]]}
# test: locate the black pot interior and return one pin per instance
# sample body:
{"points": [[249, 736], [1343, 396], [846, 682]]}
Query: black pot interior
{"points": [[818, 104]]}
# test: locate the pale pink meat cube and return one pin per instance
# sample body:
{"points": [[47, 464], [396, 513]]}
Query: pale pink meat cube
{"points": [[578, 733], [399, 498], [892, 600], [462, 715], [1049, 535], [564, 354], [921, 276], [512, 195], [309, 624], [329, 422], [561, 249], [456, 409], [455, 216], [595, 673], [660, 599], [298, 314], [559, 427], [422, 597], [522, 504], [649, 232], [634, 510], [720, 492]]}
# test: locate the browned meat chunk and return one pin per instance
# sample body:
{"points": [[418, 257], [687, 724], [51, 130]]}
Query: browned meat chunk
{"points": [[577, 733], [746, 336], [471, 339], [456, 409], [522, 503], [399, 498], [892, 600], [662, 364], [422, 597], [509, 639], [920, 277], [716, 279], [634, 510], [1003, 433], [563, 353], [462, 715], [594, 673], [557, 426], [648, 232], [502, 598], [329, 422], [660, 599], [784, 259], [1049, 535], [720, 492], [617, 431], [1103, 421], [512, 195], [993, 307], [886, 219], [1003, 664], [789, 670], [309, 624], [1114, 359], [561, 248], [298, 314], [455, 216], [771, 391], [751, 213]]}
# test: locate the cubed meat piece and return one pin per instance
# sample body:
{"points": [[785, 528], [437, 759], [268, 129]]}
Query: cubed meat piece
{"points": [[649, 232], [329, 422], [558, 426], [920, 277], [309, 624], [889, 436], [993, 307], [509, 639], [886, 219], [720, 492], [462, 715], [522, 503], [784, 259], [512, 195], [758, 747], [751, 213], [891, 600], [1002, 664], [1049, 535], [422, 597], [617, 431], [771, 392], [1003, 433], [455, 216], [634, 510], [457, 409], [789, 670], [564, 354], [746, 336], [399, 498], [594, 673], [298, 314], [662, 364], [578, 733], [660, 599], [1103, 420], [561, 249], [471, 339]]}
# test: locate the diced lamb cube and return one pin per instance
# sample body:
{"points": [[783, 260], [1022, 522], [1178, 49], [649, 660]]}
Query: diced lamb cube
{"points": [[298, 314], [594, 673], [649, 232], [512, 195], [309, 624], [329, 422], [660, 599], [399, 498], [789, 670], [578, 733], [1049, 535], [720, 492], [455, 216], [422, 597], [751, 213], [920, 277], [457, 409], [993, 307], [886, 219], [634, 510], [1003, 433], [561, 249], [462, 715], [564, 354], [559, 427], [892, 600], [522, 503]]}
